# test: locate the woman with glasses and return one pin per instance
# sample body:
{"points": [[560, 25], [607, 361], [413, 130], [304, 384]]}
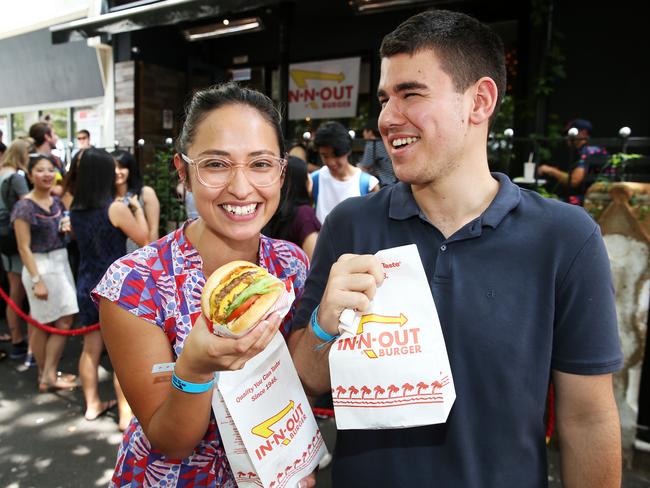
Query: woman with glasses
{"points": [[231, 155]]}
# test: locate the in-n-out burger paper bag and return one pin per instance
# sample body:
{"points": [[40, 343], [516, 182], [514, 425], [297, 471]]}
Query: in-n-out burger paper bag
{"points": [[389, 368], [265, 421]]}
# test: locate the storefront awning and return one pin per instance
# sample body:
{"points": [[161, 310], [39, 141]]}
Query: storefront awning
{"points": [[34, 72], [164, 12]]}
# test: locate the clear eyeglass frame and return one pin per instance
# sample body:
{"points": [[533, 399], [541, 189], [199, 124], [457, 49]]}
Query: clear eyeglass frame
{"points": [[282, 162]]}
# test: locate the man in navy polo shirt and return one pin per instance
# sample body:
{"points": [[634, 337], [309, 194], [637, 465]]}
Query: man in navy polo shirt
{"points": [[521, 284]]}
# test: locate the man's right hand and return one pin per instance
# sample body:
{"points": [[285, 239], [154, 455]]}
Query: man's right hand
{"points": [[352, 283]]}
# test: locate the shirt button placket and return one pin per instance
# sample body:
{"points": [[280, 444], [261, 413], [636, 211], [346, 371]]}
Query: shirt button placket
{"points": [[443, 264]]}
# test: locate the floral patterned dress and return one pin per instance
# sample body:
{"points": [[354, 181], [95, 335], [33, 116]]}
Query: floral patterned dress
{"points": [[161, 283]]}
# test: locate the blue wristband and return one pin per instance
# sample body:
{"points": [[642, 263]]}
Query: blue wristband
{"points": [[187, 387], [320, 333]]}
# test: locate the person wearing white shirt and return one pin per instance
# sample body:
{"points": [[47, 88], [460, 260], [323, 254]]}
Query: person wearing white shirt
{"points": [[338, 179]]}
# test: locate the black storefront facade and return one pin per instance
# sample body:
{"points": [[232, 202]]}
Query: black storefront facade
{"points": [[165, 66], [156, 66]]}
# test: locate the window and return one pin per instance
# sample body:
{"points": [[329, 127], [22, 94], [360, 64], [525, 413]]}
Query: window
{"points": [[21, 122], [90, 119]]}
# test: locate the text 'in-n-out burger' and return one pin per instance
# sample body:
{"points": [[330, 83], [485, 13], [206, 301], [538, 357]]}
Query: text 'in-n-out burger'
{"points": [[389, 368], [279, 429]]}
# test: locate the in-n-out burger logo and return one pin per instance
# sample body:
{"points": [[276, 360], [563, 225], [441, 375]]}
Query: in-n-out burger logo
{"points": [[288, 420], [329, 96], [399, 341]]}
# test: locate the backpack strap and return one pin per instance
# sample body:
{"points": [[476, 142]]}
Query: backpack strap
{"points": [[5, 190], [314, 188], [364, 183]]}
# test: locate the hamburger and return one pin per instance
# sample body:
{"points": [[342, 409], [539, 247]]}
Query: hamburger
{"points": [[238, 295]]}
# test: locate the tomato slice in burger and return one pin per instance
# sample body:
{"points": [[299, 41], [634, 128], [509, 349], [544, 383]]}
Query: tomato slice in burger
{"points": [[239, 311]]}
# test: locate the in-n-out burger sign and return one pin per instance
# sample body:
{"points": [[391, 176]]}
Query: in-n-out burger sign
{"points": [[324, 89], [335, 96]]}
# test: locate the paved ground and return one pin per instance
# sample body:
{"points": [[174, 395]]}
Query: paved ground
{"points": [[45, 441]]}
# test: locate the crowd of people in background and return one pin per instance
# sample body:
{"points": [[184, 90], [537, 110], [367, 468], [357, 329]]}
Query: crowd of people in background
{"points": [[62, 225]]}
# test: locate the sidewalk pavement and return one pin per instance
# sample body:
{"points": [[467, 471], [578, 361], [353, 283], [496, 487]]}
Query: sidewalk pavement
{"points": [[46, 442]]}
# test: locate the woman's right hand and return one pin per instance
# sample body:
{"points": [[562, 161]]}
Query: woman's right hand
{"points": [[204, 352], [40, 291], [134, 203]]}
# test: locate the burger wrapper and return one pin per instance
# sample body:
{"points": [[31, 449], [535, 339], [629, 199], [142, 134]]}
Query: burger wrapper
{"points": [[282, 306], [389, 368], [266, 424]]}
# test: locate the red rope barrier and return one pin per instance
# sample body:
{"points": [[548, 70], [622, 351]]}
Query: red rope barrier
{"points": [[43, 327]]}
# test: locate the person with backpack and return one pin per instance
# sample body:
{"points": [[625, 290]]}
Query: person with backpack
{"points": [[338, 179], [13, 187]]}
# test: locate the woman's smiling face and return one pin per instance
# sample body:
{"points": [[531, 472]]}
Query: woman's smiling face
{"points": [[43, 174], [239, 210], [121, 174]]}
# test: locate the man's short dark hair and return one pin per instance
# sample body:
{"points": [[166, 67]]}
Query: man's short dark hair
{"points": [[84, 132], [468, 50], [335, 135], [38, 131]]}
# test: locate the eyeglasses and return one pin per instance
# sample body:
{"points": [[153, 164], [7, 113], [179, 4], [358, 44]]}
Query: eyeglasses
{"points": [[217, 172]]}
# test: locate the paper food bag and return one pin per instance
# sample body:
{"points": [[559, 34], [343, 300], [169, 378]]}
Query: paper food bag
{"points": [[266, 424], [389, 368]]}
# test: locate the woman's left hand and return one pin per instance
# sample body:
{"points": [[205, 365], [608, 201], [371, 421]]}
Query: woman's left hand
{"points": [[64, 225], [308, 481], [204, 353]]}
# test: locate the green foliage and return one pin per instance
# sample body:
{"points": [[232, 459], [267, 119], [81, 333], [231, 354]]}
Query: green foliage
{"points": [[545, 193], [500, 147], [159, 175], [619, 158]]}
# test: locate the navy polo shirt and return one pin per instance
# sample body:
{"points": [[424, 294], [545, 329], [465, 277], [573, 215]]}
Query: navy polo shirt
{"points": [[523, 289]]}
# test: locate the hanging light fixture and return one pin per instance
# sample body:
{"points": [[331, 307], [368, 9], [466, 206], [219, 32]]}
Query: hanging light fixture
{"points": [[227, 27]]}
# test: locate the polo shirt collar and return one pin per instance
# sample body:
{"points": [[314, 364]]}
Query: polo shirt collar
{"points": [[403, 205], [507, 199]]}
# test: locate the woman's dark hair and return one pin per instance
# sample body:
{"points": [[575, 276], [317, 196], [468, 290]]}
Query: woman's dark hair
{"points": [[294, 193], [333, 134], [205, 101], [126, 160], [35, 158], [95, 181], [70, 179]]}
